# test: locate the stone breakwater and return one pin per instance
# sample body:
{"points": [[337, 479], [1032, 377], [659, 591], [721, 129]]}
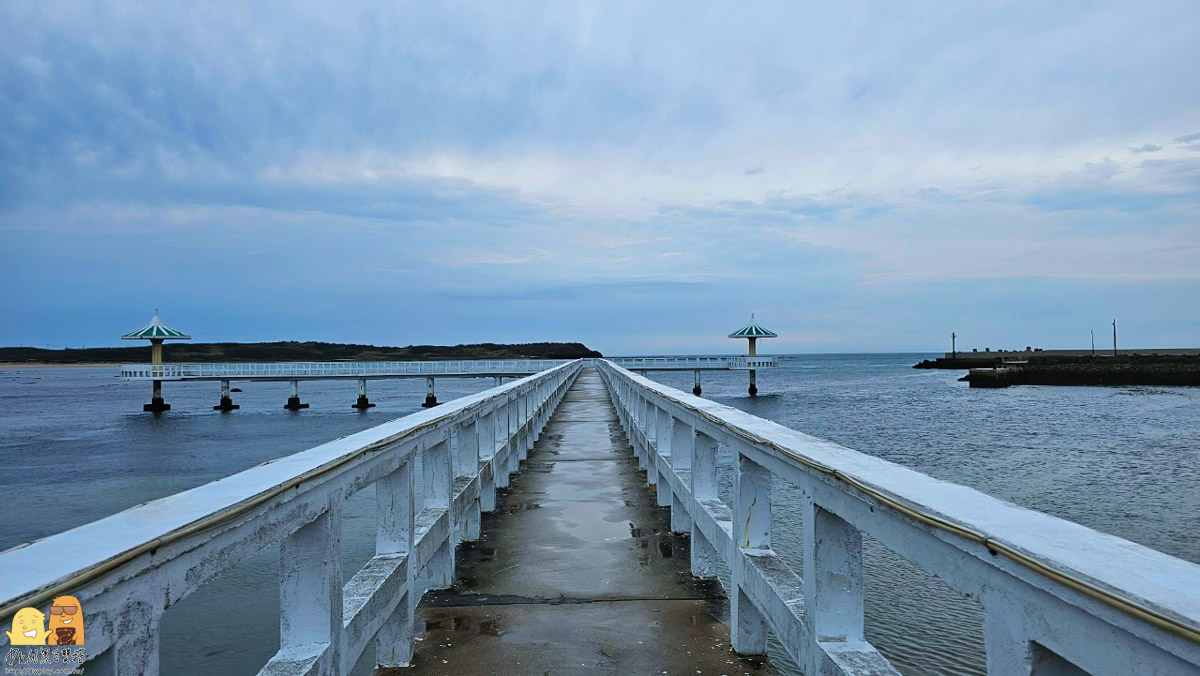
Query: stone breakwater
{"points": [[1118, 371]]}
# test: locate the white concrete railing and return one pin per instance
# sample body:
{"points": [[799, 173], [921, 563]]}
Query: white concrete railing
{"points": [[689, 363], [1058, 598], [335, 369], [129, 568]]}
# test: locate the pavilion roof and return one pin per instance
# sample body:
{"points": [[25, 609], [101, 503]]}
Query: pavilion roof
{"points": [[753, 330], [156, 330]]}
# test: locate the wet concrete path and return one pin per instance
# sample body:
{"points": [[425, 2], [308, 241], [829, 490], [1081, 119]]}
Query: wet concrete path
{"points": [[577, 571]]}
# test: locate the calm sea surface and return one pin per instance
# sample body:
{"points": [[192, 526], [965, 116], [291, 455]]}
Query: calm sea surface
{"points": [[75, 443]]}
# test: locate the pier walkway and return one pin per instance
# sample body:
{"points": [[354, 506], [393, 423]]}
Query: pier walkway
{"points": [[577, 570]]}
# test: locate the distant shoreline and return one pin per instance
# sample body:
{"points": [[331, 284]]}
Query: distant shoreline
{"points": [[290, 351]]}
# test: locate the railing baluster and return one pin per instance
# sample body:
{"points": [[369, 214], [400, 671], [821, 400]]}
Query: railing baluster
{"points": [[651, 431], [704, 487], [437, 478], [751, 535], [135, 649], [395, 510], [310, 588], [682, 449], [662, 430], [469, 438], [833, 584]]}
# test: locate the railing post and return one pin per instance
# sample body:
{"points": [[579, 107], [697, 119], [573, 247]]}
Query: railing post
{"points": [[469, 467], [662, 427], [504, 429], [394, 532], [310, 585], [1010, 648], [437, 481], [651, 425], [487, 451], [527, 422], [133, 652], [833, 584], [516, 445], [682, 449], [704, 487], [751, 535]]}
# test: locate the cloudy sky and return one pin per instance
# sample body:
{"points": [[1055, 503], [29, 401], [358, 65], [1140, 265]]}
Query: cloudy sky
{"points": [[637, 176]]}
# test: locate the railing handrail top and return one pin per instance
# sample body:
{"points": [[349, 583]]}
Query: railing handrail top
{"points": [[45, 562], [1138, 572]]}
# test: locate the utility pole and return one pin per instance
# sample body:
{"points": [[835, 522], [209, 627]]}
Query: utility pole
{"points": [[1093, 332], [953, 345], [1114, 337]]}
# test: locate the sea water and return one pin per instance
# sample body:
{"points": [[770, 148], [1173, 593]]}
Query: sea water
{"points": [[75, 446]]}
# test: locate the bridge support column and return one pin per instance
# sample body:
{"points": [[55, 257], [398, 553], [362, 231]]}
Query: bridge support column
{"points": [[753, 389], [430, 397], [156, 405], [363, 403], [293, 402], [696, 387], [226, 399], [497, 381]]}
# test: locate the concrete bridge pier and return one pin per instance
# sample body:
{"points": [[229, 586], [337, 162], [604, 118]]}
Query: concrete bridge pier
{"points": [[363, 403], [753, 389], [293, 402], [696, 386], [156, 405], [226, 404], [498, 381], [430, 396]]}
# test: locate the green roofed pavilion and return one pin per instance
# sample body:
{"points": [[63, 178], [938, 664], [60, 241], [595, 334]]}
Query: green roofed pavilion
{"points": [[156, 331], [752, 332]]}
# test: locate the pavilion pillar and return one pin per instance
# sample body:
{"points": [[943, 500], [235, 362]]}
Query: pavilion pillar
{"points": [[156, 405], [753, 389], [226, 399], [293, 402], [430, 396], [363, 403]]}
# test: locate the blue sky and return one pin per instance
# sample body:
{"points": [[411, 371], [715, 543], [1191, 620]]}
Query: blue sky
{"points": [[637, 176]]}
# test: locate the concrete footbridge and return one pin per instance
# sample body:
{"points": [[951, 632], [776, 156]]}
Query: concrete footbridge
{"points": [[497, 369], [158, 372], [581, 515]]}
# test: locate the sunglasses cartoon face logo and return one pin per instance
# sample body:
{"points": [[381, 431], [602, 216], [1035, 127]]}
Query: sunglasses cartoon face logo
{"points": [[28, 628], [66, 621]]}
